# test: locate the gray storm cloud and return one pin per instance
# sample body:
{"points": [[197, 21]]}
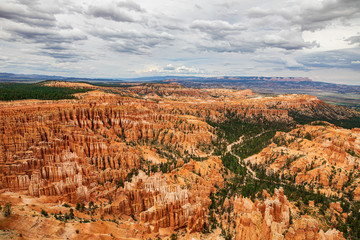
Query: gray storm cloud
{"points": [[118, 38]]}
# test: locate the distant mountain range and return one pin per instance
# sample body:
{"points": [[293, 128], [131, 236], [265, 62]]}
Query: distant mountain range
{"points": [[269, 84], [11, 77], [340, 94]]}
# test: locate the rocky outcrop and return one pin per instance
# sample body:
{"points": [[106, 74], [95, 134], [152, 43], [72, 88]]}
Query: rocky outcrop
{"points": [[166, 201], [262, 220], [270, 219], [326, 156], [308, 228], [50, 148]]}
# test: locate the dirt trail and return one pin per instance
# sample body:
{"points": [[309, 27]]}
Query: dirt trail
{"points": [[229, 150]]}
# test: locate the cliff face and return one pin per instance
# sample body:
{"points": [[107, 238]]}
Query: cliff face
{"points": [[68, 84]]}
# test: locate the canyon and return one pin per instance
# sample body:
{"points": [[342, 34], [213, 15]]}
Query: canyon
{"points": [[142, 161]]}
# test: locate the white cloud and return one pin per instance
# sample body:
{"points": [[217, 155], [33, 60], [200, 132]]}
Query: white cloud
{"points": [[170, 69]]}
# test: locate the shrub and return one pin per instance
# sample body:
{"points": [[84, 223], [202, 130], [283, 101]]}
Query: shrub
{"points": [[44, 213], [71, 214], [66, 205], [7, 209]]}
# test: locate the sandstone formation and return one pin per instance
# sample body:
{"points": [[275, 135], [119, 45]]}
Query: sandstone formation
{"points": [[138, 162], [320, 155], [270, 219]]}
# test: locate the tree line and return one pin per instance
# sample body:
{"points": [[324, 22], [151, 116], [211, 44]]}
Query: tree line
{"points": [[21, 91]]}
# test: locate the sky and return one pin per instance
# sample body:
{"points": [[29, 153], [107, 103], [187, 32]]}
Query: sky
{"points": [[319, 39]]}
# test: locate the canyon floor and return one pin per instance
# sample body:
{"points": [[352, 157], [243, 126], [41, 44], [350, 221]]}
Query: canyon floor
{"points": [[150, 161]]}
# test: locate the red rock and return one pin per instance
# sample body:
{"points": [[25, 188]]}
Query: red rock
{"points": [[336, 206]]}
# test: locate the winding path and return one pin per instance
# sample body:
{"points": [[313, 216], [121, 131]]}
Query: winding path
{"points": [[229, 150]]}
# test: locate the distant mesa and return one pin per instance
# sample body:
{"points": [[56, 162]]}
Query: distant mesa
{"points": [[288, 79]]}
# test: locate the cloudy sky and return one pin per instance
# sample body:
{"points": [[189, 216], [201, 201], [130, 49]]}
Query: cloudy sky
{"points": [[319, 39]]}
